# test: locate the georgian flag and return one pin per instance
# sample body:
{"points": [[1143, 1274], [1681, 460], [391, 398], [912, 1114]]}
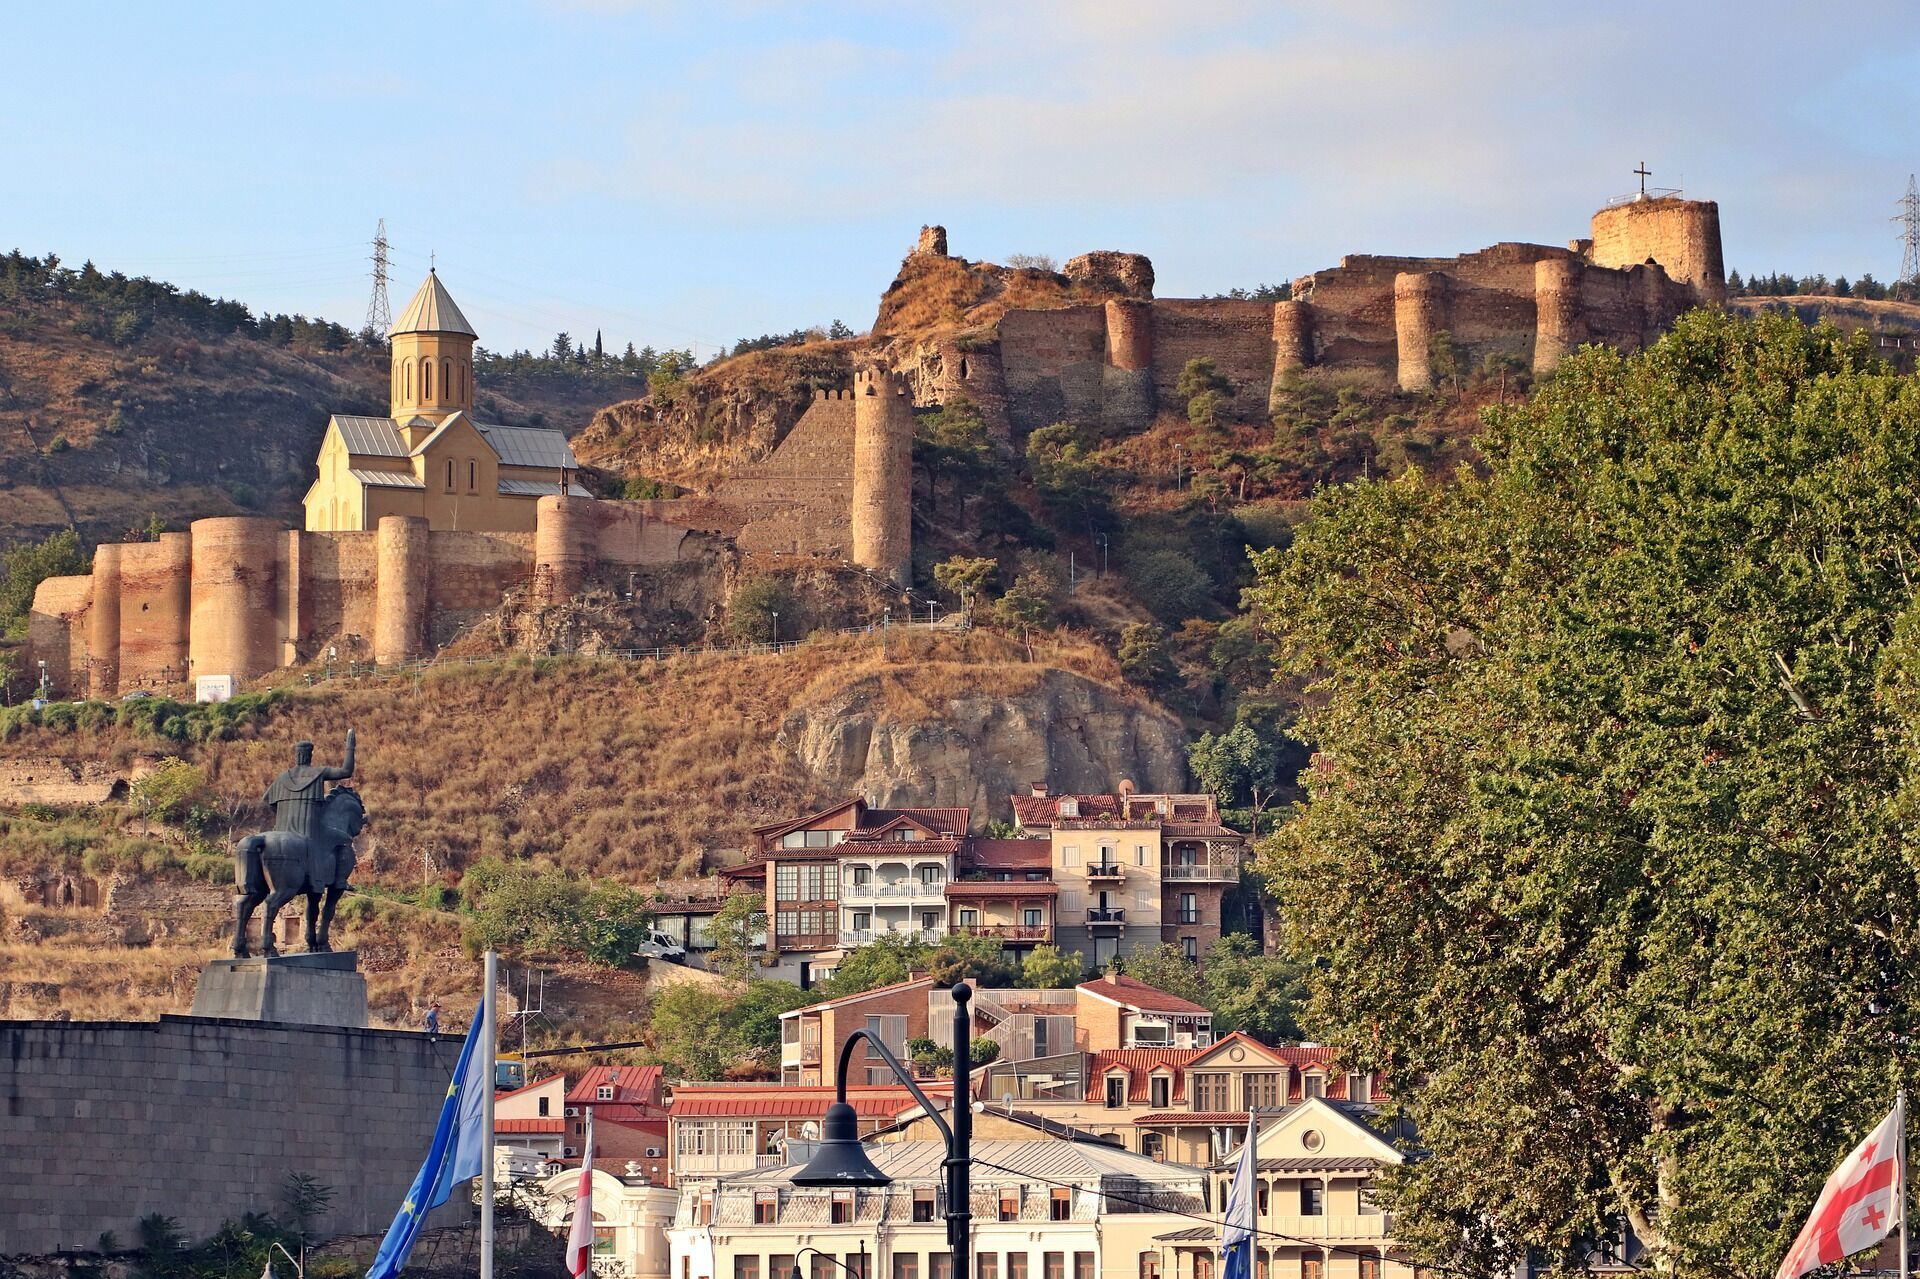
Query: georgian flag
{"points": [[580, 1238], [1860, 1204], [1236, 1240]]}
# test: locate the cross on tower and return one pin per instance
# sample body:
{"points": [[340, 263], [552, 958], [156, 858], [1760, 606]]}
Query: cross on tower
{"points": [[1644, 173]]}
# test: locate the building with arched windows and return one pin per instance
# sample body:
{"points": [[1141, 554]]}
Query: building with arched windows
{"points": [[431, 456]]}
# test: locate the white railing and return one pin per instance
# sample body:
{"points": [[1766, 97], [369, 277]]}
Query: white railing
{"points": [[1366, 1226], [861, 936], [895, 890]]}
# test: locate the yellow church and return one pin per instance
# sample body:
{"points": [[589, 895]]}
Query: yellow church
{"points": [[430, 456]]}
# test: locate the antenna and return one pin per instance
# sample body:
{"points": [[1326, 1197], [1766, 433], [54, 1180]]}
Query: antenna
{"points": [[1909, 218], [379, 318]]}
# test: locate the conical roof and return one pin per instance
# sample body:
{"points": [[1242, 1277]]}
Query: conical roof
{"points": [[433, 311]]}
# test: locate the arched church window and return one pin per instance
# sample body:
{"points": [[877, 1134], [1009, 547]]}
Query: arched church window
{"points": [[407, 370], [446, 378], [473, 475], [426, 381], [449, 475]]}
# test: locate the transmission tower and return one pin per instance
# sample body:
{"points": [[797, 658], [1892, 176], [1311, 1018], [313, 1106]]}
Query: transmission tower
{"points": [[379, 318], [1909, 218]]}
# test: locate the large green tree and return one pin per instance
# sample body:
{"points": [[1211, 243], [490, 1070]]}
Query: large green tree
{"points": [[1607, 861]]}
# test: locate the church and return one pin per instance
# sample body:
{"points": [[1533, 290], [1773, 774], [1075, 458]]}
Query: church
{"points": [[430, 456]]}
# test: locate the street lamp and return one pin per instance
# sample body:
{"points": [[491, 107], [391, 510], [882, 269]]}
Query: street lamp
{"points": [[266, 1271], [859, 1273], [776, 624], [841, 1161]]}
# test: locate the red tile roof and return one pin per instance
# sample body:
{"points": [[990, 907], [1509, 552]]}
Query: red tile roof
{"points": [[721, 1102], [1135, 993], [631, 1084], [1037, 812], [1211, 1118], [530, 1125], [1198, 830], [1009, 854], [909, 983], [1140, 1063], [1002, 888]]}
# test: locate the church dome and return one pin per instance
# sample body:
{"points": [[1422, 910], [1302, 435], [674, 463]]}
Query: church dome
{"points": [[433, 311]]}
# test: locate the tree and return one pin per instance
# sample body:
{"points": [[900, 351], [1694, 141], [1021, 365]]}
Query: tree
{"points": [[983, 1050], [1060, 462], [305, 1199], [1608, 862], [1171, 584], [1047, 967], [951, 444], [881, 962], [1164, 968], [562, 348], [520, 907], [970, 955], [741, 919], [838, 331], [1247, 990], [1026, 607], [1201, 377], [764, 610], [1443, 360], [686, 1030], [1253, 759], [24, 567], [965, 577], [169, 791], [1144, 657]]}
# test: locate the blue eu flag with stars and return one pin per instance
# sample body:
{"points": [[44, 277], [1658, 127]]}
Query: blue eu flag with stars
{"points": [[460, 1143]]}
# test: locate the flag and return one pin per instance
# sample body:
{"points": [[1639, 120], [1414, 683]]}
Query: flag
{"points": [[460, 1144], [1236, 1241], [580, 1239], [1861, 1203]]}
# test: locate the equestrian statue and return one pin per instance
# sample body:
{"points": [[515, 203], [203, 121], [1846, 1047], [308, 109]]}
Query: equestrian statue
{"points": [[309, 850]]}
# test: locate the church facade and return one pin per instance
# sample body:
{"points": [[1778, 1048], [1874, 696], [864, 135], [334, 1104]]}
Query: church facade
{"points": [[431, 457]]}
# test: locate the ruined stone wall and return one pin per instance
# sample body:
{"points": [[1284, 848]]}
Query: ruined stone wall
{"points": [[799, 499], [337, 581], [203, 1119], [470, 574], [1052, 363], [1237, 336], [1683, 236], [577, 538], [57, 632], [155, 587]]}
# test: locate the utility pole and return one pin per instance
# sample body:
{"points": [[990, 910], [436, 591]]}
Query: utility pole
{"points": [[379, 317], [1909, 219]]}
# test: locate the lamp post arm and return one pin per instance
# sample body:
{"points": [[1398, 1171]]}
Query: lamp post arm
{"points": [[900, 1072]]}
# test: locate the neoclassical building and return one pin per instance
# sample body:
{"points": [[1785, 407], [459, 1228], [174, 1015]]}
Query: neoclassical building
{"points": [[431, 457]]}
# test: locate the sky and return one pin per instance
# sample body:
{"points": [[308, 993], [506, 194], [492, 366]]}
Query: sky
{"points": [[684, 174]]}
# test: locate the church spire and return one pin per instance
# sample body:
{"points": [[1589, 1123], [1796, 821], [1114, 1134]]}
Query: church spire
{"points": [[432, 361]]}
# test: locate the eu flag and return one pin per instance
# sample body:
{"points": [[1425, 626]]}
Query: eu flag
{"points": [[460, 1143]]}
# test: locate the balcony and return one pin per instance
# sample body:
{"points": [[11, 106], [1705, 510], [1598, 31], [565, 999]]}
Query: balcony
{"points": [[1377, 1225], [1009, 932], [861, 936], [716, 1165], [893, 891], [1107, 918], [1106, 872], [1205, 865]]}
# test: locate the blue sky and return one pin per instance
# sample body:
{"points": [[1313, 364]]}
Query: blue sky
{"points": [[691, 173]]}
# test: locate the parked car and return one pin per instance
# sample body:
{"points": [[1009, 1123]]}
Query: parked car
{"points": [[661, 946]]}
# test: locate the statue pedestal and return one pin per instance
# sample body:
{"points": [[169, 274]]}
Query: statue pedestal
{"points": [[316, 990]]}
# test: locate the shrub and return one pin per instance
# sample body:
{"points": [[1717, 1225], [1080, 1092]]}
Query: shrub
{"points": [[1171, 584], [763, 610], [519, 907]]}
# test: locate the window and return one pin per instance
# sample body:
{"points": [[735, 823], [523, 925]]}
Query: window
{"points": [[842, 1207], [930, 921], [862, 876], [543, 1107], [1139, 854], [766, 1209], [1160, 1091], [1033, 917], [1149, 1265], [1262, 1265], [931, 876], [1189, 909], [1369, 1265], [703, 1211], [1210, 1092], [1116, 1091], [1070, 855], [1016, 1265], [446, 379], [604, 1093], [1060, 1207], [923, 1204], [1189, 949], [1359, 1090], [856, 1265], [579, 1129], [940, 1265], [473, 475], [797, 883], [1314, 1086], [906, 1265], [1203, 1266], [986, 1265], [862, 921], [1083, 1266], [823, 1267], [603, 1242], [891, 1031], [1313, 1197], [1368, 1208], [780, 1266], [1154, 1146], [1313, 1265], [426, 381], [449, 475], [746, 1267], [1010, 1205], [1261, 1091], [906, 835], [1261, 1198], [1032, 876], [1053, 1265], [969, 918]]}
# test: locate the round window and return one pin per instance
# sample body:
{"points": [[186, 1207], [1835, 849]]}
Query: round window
{"points": [[1312, 1140]]}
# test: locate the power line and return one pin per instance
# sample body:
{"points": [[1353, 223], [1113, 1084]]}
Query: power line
{"points": [[379, 318]]}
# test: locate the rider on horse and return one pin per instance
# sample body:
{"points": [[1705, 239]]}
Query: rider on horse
{"points": [[296, 794]]}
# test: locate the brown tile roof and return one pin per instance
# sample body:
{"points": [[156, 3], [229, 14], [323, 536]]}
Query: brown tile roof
{"points": [[630, 1084], [529, 1125], [951, 821], [1172, 1118], [719, 1101], [1002, 888], [1009, 854], [1198, 830], [909, 983], [1135, 993], [1140, 1063], [1036, 812]]}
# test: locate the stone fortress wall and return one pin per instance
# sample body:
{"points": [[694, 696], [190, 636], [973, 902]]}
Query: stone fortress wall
{"points": [[1647, 261], [105, 1122]]}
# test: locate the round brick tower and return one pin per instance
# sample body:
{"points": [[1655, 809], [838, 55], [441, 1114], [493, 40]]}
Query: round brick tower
{"points": [[1558, 327], [565, 537], [103, 624], [1683, 236], [402, 556], [234, 626], [1419, 311], [1126, 380], [882, 515]]}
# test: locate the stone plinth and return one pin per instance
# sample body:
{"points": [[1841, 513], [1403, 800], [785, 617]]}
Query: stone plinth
{"points": [[314, 990]]}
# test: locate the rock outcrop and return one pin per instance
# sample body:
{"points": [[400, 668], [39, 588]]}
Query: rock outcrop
{"points": [[1066, 730]]}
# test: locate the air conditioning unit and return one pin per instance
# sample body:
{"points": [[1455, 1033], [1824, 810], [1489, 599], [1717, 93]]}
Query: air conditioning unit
{"points": [[573, 1112]]}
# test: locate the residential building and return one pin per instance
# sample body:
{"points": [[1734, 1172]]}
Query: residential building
{"points": [[1005, 889], [531, 1122], [811, 1037], [720, 1129], [1117, 1011], [546, 1121], [631, 1214], [1134, 870], [1051, 1208]]}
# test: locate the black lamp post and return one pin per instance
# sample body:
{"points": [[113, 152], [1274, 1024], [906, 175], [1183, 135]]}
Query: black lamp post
{"points": [[842, 1161]]}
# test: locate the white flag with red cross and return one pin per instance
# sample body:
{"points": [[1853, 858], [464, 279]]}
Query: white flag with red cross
{"points": [[1860, 1204], [580, 1238]]}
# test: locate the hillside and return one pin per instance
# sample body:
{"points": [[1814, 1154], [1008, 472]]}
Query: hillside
{"points": [[119, 402], [621, 770]]}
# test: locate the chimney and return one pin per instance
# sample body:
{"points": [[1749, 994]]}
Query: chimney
{"points": [[1039, 790], [1126, 787]]}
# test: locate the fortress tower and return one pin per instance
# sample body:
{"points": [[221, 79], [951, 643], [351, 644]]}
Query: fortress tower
{"points": [[882, 514], [432, 362], [1682, 236]]}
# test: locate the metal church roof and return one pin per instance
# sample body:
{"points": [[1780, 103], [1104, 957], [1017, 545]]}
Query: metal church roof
{"points": [[529, 445], [370, 436], [433, 311], [386, 479]]}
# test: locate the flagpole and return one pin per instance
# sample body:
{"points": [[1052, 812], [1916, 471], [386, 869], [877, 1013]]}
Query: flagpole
{"points": [[486, 1121], [1906, 1191]]}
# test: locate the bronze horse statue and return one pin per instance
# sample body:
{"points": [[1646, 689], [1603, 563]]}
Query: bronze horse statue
{"points": [[277, 866]]}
